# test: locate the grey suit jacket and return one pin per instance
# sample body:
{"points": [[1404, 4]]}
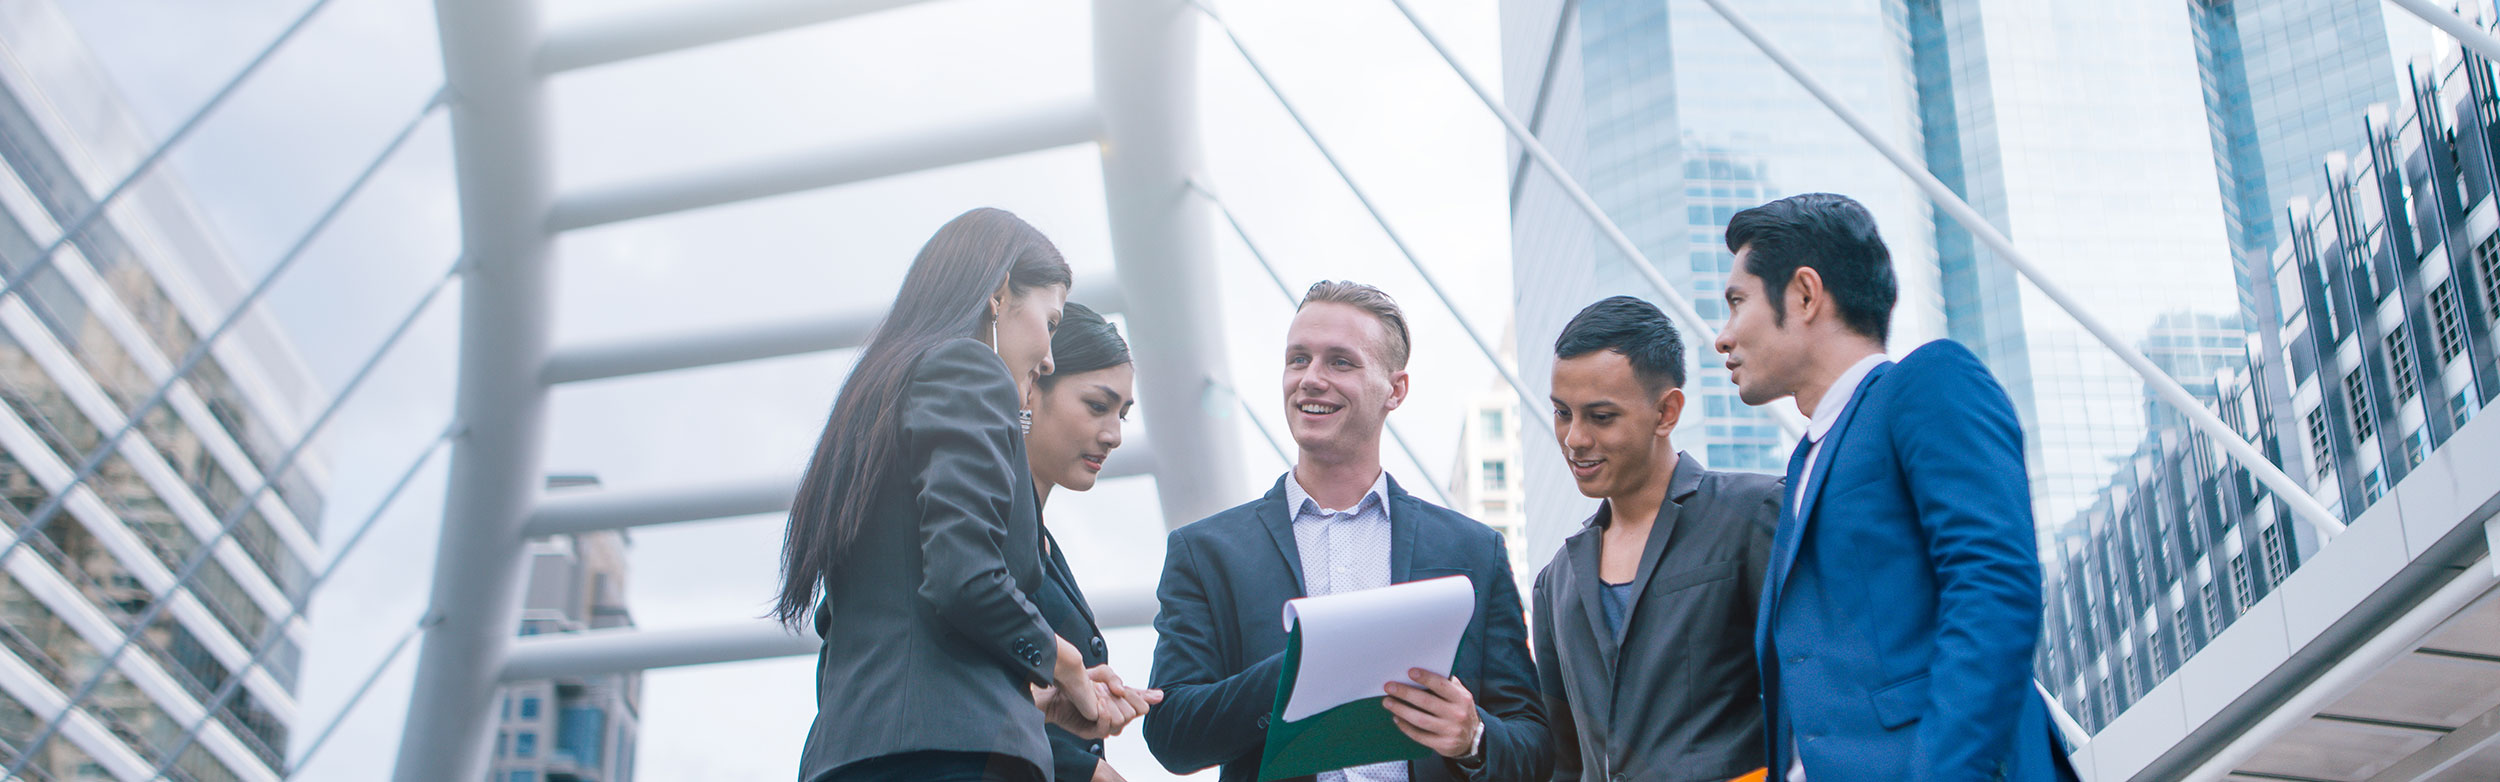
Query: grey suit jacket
{"points": [[1674, 696], [929, 635]]}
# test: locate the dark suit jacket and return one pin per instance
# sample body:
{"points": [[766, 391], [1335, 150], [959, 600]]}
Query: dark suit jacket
{"points": [[1221, 637], [1674, 696], [929, 638], [1896, 631], [1064, 605]]}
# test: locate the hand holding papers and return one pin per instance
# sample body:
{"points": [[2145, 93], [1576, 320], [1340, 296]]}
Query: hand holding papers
{"points": [[1343, 649]]}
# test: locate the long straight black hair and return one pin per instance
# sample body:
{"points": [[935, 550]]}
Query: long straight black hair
{"points": [[945, 296]]}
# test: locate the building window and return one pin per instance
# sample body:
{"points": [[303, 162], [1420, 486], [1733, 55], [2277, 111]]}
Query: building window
{"points": [[2450, 327], [2371, 487], [1496, 475], [2243, 593], [2319, 450], [1493, 424], [523, 775], [525, 744], [2278, 561], [529, 708], [2417, 445], [2464, 407], [2400, 363], [2357, 394], [2487, 259]]}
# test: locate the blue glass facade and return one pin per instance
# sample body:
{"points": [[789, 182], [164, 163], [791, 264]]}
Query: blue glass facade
{"points": [[2389, 289], [1686, 124], [2045, 117]]}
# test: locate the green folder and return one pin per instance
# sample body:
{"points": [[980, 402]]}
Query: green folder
{"points": [[1355, 734]]}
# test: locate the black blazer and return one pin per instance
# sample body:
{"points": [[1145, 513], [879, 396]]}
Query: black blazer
{"points": [[1064, 605], [1675, 696], [1220, 638], [929, 638]]}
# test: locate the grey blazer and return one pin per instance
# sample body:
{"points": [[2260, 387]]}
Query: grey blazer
{"points": [[1675, 696], [929, 636]]}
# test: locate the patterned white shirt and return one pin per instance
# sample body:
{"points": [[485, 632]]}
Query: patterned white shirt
{"points": [[1344, 551]]}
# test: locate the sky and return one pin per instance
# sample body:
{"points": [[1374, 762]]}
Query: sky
{"points": [[290, 139]]}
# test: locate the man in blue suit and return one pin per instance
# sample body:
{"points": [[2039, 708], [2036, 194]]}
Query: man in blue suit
{"points": [[1337, 523], [1897, 622]]}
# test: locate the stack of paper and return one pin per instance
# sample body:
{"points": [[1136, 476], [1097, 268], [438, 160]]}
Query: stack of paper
{"points": [[1342, 650]]}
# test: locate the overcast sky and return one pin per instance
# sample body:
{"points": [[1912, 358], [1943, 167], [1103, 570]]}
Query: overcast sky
{"points": [[267, 163]]}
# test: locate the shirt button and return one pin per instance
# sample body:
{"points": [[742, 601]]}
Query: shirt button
{"points": [[1797, 658]]}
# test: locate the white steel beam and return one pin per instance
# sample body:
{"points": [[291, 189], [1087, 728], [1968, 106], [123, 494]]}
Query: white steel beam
{"points": [[2468, 33], [746, 343], [623, 650], [920, 149], [689, 24], [505, 184], [2290, 492], [1145, 80], [2401, 636], [2459, 745], [578, 512]]}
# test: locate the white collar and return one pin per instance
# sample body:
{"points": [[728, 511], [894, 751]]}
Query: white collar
{"points": [[1836, 398], [1296, 497]]}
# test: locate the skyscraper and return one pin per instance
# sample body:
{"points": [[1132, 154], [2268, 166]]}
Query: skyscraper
{"points": [[2080, 130], [1674, 122], [2390, 301], [84, 344], [573, 728]]}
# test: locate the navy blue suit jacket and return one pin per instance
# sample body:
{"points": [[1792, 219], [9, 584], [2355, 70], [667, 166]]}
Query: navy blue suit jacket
{"points": [[1897, 624], [1221, 636]]}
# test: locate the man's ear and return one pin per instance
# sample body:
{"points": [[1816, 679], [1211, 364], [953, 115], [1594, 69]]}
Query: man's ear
{"points": [[1397, 389], [1670, 410], [1807, 298]]}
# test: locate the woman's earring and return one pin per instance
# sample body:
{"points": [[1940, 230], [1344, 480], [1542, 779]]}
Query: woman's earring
{"points": [[1024, 421]]}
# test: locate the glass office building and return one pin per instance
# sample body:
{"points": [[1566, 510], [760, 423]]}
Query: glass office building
{"points": [[2047, 117], [571, 728], [2388, 285], [1674, 122], [83, 347]]}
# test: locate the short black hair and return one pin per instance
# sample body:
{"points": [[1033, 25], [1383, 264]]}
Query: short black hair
{"points": [[1631, 327], [1834, 236], [1084, 343]]}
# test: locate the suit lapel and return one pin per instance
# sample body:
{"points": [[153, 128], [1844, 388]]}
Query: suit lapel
{"points": [[1058, 563], [1585, 550], [1681, 486], [1802, 517], [1278, 520], [1403, 509]]}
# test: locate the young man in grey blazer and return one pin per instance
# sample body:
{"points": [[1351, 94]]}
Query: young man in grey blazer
{"points": [[1644, 620]]}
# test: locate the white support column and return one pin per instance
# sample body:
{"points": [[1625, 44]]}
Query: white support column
{"points": [[1145, 77], [1030, 129], [574, 513], [682, 26], [500, 144], [600, 361]]}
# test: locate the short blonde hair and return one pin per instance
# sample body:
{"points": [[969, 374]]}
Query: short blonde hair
{"points": [[1372, 300]]}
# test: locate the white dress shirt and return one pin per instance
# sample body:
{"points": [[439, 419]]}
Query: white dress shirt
{"points": [[1826, 412], [1344, 551]]}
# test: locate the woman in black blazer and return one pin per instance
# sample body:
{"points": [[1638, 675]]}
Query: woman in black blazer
{"points": [[1077, 413], [917, 524]]}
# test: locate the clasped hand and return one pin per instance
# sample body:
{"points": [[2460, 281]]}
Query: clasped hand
{"points": [[1096, 704]]}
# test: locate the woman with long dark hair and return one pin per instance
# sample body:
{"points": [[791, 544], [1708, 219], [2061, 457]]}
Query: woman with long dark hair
{"points": [[918, 526], [1077, 412]]}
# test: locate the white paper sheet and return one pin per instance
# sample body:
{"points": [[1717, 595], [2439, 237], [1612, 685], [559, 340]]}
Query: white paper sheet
{"points": [[1356, 642]]}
